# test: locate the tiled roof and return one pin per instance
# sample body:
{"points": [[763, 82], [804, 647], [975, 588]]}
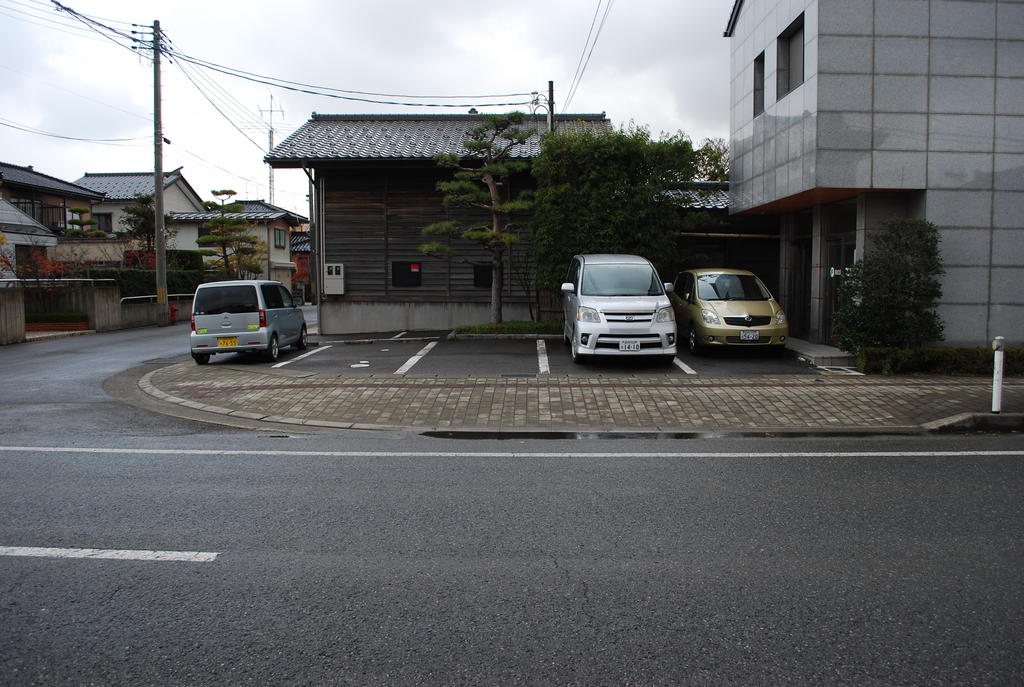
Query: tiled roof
{"points": [[400, 137], [125, 185], [703, 195], [26, 177], [252, 210], [14, 221], [300, 242]]}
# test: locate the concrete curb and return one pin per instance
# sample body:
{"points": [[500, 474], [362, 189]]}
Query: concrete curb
{"points": [[978, 422]]}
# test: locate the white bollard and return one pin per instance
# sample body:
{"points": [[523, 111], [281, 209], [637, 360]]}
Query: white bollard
{"points": [[997, 375]]}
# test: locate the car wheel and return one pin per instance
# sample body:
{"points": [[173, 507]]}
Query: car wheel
{"points": [[273, 349], [693, 342], [201, 358], [303, 341]]}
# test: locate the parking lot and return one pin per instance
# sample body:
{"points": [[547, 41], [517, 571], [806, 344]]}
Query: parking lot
{"points": [[432, 353]]}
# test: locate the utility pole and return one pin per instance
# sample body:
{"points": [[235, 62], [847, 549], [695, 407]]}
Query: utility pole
{"points": [[162, 311], [551, 106], [270, 143]]}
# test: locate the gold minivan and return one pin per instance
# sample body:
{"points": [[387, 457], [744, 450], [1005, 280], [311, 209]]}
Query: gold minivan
{"points": [[724, 307]]}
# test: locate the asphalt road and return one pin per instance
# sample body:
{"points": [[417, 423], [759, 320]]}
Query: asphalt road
{"points": [[391, 558]]}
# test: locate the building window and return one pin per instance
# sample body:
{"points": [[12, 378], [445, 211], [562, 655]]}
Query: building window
{"points": [[483, 276], [791, 57], [279, 238], [759, 84], [104, 221], [406, 274]]}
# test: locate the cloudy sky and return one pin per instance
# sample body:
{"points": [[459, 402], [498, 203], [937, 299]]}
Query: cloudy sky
{"points": [[75, 99]]}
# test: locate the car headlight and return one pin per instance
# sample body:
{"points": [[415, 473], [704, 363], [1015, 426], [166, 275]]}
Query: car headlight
{"points": [[709, 316], [587, 315], [780, 318], [665, 315]]}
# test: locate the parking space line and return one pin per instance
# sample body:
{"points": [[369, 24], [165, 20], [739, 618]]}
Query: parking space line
{"points": [[110, 554], [415, 359], [304, 355], [542, 358], [684, 367], [399, 335]]}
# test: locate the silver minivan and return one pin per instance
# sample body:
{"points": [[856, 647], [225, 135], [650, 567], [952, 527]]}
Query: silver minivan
{"points": [[244, 317], [616, 305]]}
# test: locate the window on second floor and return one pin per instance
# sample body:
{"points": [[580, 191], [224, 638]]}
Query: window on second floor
{"points": [[280, 239], [790, 73], [759, 84]]}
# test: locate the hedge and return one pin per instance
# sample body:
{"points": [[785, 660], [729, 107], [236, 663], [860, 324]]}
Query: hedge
{"points": [[143, 282], [947, 361], [40, 317]]}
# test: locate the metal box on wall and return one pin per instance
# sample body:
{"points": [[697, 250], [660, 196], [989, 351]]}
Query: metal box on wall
{"points": [[334, 279]]}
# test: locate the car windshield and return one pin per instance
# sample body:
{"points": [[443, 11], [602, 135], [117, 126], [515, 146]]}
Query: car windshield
{"points": [[222, 299], [620, 280], [731, 287]]}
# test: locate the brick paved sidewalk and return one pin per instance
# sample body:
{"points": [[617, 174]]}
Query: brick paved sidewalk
{"points": [[563, 403]]}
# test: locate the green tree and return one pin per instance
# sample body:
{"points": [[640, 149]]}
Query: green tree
{"points": [[238, 253], [889, 297], [713, 160], [604, 192], [138, 222], [480, 182], [81, 224]]}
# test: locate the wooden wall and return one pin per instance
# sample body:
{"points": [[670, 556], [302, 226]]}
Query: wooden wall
{"points": [[374, 217]]}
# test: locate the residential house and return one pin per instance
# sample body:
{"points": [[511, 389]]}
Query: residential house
{"points": [[22, 234], [44, 198], [846, 113], [269, 223], [374, 180], [120, 189], [710, 236], [302, 254]]}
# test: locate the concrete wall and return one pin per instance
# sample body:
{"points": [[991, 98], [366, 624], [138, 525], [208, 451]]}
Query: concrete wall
{"points": [[12, 315], [357, 317], [101, 303]]}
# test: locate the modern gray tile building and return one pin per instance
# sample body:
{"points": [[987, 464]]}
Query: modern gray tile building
{"points": [[848, 112]]}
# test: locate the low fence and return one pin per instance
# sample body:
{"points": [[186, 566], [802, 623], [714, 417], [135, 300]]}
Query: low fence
{"points": [[99, 299], [140, 311]]}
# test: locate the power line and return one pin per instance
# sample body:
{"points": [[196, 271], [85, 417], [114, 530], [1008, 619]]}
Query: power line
{"points": [[32, 130], [578, 77]]}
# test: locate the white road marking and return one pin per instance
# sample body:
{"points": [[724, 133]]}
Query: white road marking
{"points": [[415, 359], [110, 554], [684, 367], [505, 454], [300, 357], [542, 358], [399, 335]]}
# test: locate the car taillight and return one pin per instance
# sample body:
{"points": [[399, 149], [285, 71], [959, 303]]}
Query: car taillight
{"points": [[192, 319], [263, 318]]}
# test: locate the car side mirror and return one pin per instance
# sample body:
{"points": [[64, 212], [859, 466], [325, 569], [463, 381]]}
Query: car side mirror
{"points": [[669, 288], [568, 287]]}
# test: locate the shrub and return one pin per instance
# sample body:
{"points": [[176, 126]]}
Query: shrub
{"points": [[947, 361], [888, 299], [143, 282], [512, 328], [37, 317]]}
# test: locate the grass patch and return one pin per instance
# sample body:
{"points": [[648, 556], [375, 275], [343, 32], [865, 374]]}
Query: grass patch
{"points": [[512, 328]]}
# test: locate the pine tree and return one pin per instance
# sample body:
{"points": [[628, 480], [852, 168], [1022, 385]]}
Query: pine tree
{"points": [[238, 254]]}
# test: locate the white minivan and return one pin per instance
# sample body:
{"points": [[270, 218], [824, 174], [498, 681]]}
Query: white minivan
{"points": [[616, 305], [244, 317]]}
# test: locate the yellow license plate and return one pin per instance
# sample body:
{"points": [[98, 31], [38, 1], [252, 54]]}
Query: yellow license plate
{"points": [[227, 341]]}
